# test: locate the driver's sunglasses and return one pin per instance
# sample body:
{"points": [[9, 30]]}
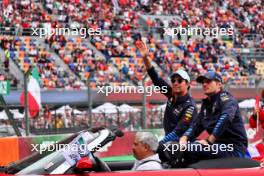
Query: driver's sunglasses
{"points": [[179, 80]]}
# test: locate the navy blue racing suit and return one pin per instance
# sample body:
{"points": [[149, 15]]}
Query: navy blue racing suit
{"points": [[179, 113], [219, 116]]}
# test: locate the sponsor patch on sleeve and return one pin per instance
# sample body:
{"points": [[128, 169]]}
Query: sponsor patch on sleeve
{"points": [[188, 114], [224, 97]]}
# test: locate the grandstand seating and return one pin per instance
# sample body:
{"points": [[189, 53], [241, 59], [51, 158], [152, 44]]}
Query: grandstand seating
{"points": [[234, 57], [27, 51], [117, 40]]}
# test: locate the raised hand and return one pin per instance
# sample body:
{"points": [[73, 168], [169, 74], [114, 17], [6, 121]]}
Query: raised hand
{"points": [[142, 47]]}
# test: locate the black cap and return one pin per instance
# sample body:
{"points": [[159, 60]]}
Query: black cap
{"points": [[211, 75]]}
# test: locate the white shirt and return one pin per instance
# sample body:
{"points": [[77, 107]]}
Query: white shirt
{"points": [[150, 163]]}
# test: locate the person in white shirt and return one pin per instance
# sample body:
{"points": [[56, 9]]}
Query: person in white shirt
{"points": [[144, 150]]}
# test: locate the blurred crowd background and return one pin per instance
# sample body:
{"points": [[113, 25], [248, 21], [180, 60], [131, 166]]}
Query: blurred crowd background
{"points": [[67, 62]]}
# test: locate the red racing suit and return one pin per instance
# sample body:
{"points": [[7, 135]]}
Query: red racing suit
{"points": [[253, 118]]}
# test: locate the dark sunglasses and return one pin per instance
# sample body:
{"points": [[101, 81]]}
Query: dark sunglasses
{"points": [[179, 80]]}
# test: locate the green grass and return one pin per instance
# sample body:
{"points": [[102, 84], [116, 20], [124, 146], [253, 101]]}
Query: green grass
{"points": [[119, 158]]}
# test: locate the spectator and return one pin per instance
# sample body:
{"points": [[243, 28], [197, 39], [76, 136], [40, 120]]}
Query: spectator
{"points": [[58, 123], [258, 113]]}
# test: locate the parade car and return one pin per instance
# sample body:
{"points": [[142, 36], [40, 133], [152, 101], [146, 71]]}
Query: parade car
{"points": [[77, 155]]}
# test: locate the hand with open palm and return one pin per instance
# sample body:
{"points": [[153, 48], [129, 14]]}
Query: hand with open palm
{"points": [[142, 47]]}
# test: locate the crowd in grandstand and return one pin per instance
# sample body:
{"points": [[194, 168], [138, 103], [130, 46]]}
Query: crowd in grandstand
{"points": [[119, 23], [27, 51], [82, 60], [120, 63]]}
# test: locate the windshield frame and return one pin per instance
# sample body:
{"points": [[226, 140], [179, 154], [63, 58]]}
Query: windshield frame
{"points": [[45, 161], [36, 156]]}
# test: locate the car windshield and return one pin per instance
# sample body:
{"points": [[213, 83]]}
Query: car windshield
{"points": [[46, 161], [8, 130]]}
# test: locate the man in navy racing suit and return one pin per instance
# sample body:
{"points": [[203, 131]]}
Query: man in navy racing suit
{"points": [[220, 117], [181, 108]]}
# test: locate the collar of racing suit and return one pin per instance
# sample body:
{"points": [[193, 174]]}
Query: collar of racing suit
{"points": [[181, 99], [213, 97]]}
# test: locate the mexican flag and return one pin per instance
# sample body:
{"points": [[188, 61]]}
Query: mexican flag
{"points": [[34, 99]]}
